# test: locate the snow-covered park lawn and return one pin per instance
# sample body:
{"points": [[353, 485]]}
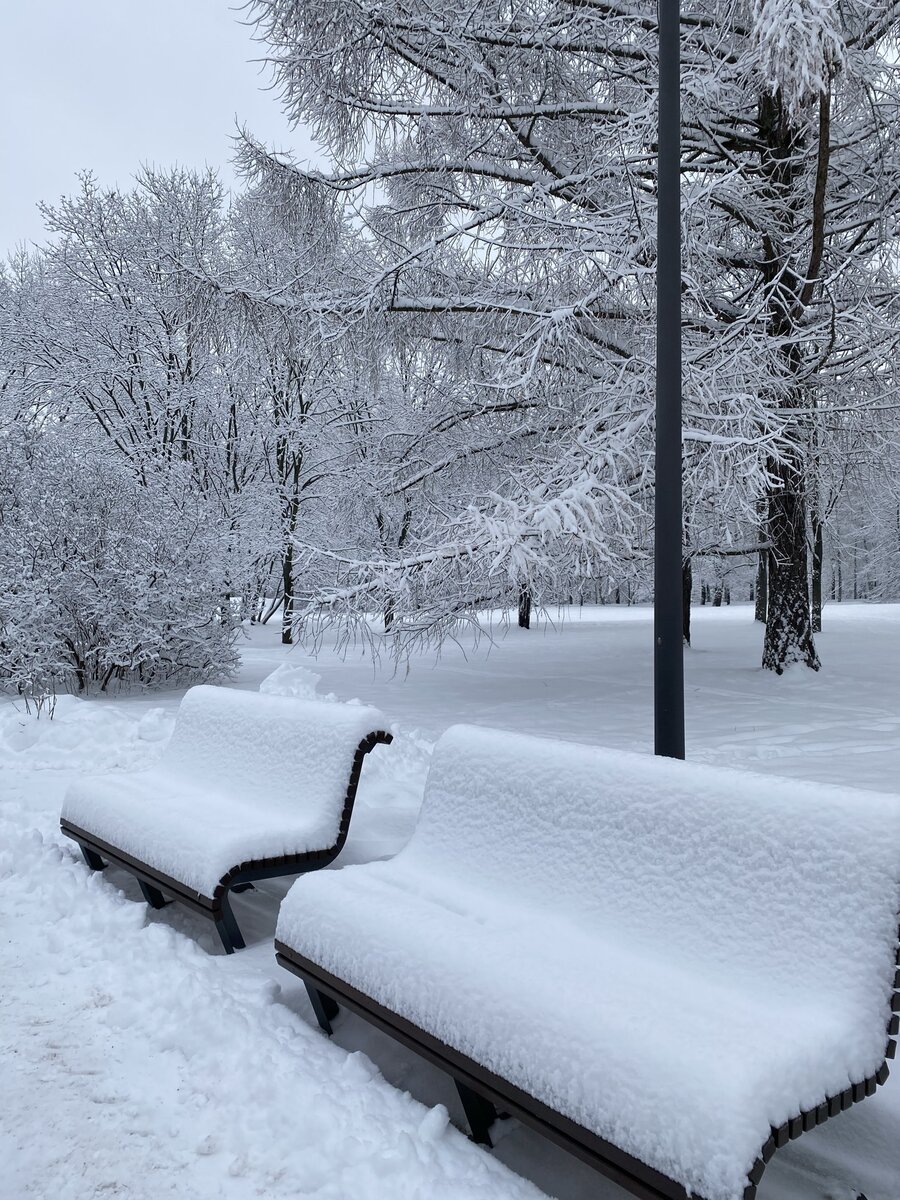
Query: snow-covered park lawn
{"points": [[139, 1061]]}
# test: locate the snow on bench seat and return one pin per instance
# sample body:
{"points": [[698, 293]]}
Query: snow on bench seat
{"points": [[678, 958], [245, 777]]}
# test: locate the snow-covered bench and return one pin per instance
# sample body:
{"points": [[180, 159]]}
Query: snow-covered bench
{"points": [[669, 969], [249, 787]]}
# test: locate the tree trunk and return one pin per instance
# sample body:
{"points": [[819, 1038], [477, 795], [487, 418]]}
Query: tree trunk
{"points": [[687, 586], [817, 557], [789, 636], [525, 607], [791, 289], [270, 612], [287, 614], [762, 587]]}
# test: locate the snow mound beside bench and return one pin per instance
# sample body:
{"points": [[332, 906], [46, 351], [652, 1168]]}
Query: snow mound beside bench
{"points": [[244, 777], [677, 957]]}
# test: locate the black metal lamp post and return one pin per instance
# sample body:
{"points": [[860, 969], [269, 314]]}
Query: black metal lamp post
{"points": [[668, 658]]}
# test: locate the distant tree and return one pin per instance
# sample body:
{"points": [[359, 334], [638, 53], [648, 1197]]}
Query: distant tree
{"points": [[119, 554], [106, 581]]}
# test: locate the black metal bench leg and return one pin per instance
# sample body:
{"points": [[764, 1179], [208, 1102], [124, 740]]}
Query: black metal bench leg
{"points": [[92, 858], [324, 1007], [480, 1114], [152, 895], [227, 927]]}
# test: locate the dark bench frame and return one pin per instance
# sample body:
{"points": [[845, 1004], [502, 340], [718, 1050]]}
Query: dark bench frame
{"points": [[97, 853], [485, 1095]]}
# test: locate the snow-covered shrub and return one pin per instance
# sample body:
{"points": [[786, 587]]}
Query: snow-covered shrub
{"points": [[107, 580]]}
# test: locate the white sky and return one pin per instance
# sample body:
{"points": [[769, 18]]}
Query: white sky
{"points": [[106, 85]]}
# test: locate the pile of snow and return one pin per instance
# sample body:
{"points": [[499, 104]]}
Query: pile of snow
{"points": [[290, 679], [554, 894], [86, 735], [167, 1073]]}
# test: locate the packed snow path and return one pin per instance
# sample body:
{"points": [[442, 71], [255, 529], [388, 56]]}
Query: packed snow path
{"points": [[137, 1061]]}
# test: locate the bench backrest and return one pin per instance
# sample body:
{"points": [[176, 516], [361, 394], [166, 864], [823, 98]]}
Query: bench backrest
{"points": [[784, 886], [273, 748]]}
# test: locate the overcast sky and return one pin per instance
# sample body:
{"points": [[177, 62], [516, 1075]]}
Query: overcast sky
{"points": [[106, 85]]}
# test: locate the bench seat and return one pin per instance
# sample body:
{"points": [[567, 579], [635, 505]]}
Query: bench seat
{"points": [[652, 951], [613, 1036], [249, 786], [192, 830]]}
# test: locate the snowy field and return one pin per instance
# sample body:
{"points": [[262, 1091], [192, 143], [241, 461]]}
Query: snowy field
{"points": [[138, 1061]]}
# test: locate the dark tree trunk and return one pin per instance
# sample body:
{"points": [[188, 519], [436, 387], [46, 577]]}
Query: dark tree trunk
{"points": [[687, 586], [525, 608], [717, 596], [762, 587], [789, 632], [270, 612], [289, 407], [287, 583], [817, 557], [385, 534], [791, 289]]}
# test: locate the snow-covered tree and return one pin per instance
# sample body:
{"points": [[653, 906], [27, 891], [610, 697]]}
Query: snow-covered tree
{"points": [[118, 558], [505, 163], [106, 580]]}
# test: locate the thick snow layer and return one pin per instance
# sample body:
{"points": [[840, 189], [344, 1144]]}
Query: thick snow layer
{"points": [[136, 1065], [103, 1027], [677, 957], [243, 777], [82, 735]]}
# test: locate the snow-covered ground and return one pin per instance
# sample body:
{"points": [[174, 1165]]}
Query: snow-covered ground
{"points": [[138, 1061]]}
